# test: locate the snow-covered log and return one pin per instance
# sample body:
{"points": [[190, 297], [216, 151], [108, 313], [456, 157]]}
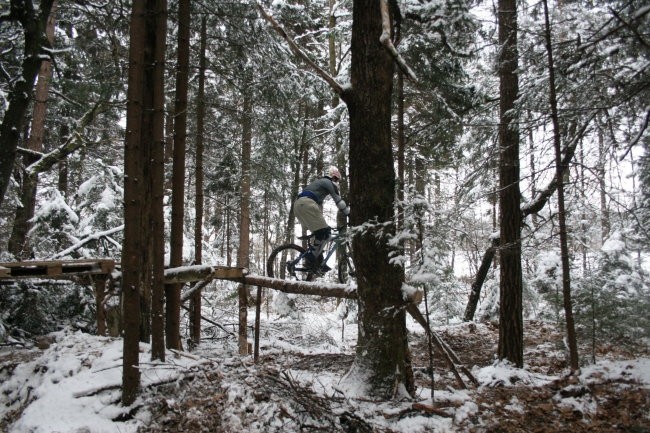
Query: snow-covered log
{"points": [[318, 288], [188, 274]]}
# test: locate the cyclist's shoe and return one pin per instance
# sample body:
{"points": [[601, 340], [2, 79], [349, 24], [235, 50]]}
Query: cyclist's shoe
{"points": [[324, 268]]}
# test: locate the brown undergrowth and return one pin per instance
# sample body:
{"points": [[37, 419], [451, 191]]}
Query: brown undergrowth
{"points": [[560, 405]]}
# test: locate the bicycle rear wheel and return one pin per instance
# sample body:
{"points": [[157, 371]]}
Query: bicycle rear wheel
{"points": [[283, 263]]}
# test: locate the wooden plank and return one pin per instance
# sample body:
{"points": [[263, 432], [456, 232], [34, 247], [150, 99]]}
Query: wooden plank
{"points": [[226, 273], [55, 269], [107, 266]]}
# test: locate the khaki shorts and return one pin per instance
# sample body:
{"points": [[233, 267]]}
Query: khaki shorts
{"points": [[309, 214]]}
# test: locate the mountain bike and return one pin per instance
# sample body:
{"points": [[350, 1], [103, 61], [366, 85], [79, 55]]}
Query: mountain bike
{"points": [[288, 261]]}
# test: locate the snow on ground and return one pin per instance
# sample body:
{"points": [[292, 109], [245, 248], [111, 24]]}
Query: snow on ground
{"points": [[74, 384]]}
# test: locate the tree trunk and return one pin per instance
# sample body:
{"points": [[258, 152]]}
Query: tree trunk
{"points": [[531, 208], [133, 244], [146, 147], [401, 150], [19, 96], [481, 275], [382, 348], [244, 226], [157, 185], [564, 244], [511, 338], [173, 292], [18, 241], [195, 302], [600, 171], [300, 150]]}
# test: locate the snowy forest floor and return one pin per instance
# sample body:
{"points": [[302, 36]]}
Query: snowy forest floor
{"points": [[73, 385]]}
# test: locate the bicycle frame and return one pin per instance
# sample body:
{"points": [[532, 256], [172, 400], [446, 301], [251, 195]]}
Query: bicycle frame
{"points": [[335, 240]]}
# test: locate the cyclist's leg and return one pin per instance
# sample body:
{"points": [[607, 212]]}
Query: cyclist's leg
{"points": [[321, 235], [310, 216]]}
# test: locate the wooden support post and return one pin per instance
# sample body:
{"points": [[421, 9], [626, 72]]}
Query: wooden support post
{"points": [[258, 303], [99, 283]]}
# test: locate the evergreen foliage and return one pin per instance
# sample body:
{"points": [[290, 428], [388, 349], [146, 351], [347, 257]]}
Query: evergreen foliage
{"points": [[29, 309], [451, 122]]}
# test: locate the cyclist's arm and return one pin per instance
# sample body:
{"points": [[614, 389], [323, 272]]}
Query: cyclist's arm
{"points": [[340, 203]]}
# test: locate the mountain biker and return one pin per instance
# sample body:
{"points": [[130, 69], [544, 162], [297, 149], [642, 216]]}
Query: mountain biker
{"points": [[308, 208]]}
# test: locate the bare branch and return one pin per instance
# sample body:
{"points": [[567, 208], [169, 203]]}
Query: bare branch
{"points": [[388, 43], [298, 52], [636, 139], [544, 195], [84, 241], [29, 152]]}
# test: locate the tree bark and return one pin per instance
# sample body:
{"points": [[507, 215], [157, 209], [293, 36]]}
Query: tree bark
{"points": [[605, 224], [173, 292], [511, 336], [244, 226], [382, 358], [481, 275], [564, 244], [17, 244], [401, 150], [133, 179], [195, 303], [35, 39], [157, 184], [382, 349]]}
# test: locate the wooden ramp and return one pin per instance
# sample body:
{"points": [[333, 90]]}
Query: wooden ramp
{"points": [[55, 268]]}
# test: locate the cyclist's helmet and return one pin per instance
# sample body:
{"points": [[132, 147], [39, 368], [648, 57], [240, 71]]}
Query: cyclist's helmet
{"points": [[334, 173]]}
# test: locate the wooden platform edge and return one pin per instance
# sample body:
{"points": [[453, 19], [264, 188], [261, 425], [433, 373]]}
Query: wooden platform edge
{"points": [[55, 268]]}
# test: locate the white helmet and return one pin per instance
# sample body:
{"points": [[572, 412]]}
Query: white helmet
{"points": [[334, 173]]}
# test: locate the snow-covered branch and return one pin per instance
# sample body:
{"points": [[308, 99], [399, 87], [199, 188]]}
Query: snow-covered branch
{"points": [[298, 52], [74, 142], [92, 237], [388, 43], [544, 195]]}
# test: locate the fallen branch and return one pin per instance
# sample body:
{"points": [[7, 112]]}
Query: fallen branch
{"points": [[196, 288], [450, 356]]}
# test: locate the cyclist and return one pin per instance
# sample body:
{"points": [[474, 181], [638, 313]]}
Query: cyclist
{"points": [[308, 208]]}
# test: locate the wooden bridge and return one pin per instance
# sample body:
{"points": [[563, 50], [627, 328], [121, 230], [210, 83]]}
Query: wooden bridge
{"points": [[102, 270]]}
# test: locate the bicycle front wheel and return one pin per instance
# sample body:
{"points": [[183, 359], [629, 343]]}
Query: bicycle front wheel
{"points": [[283, 263]]}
